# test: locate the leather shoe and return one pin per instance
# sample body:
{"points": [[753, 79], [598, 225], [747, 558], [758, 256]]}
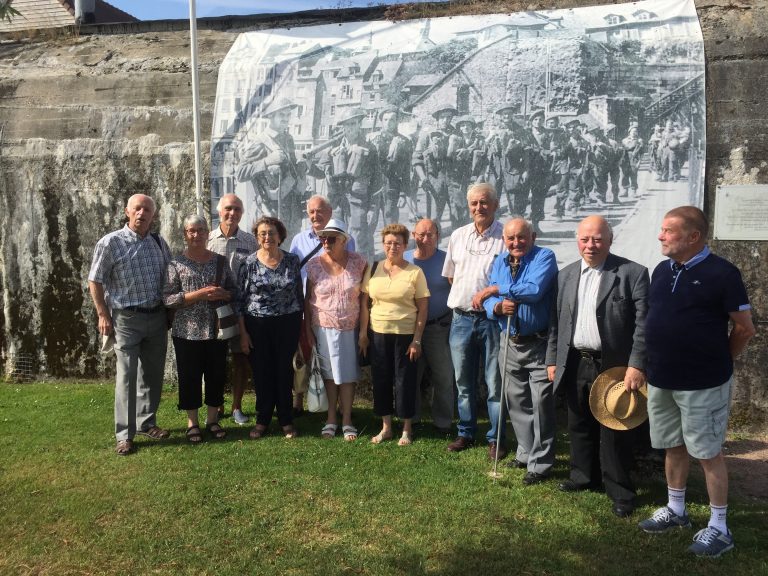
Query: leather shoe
{"points": [[496, 452], [461, 443], [532, 478], [571, 486], [623, 508], [516, 464]]}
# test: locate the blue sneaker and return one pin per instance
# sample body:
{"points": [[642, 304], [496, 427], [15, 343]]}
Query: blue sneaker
{"points": [[664, 519], [239, 417], [709, 542]]}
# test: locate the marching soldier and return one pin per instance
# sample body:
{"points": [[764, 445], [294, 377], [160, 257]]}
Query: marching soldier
{"points": [[577, 153], [559, 166], [466, 164], [352, 171], [654, 143], [616, 153], [599, 159], [394, 154], [269, 163], [630, 161], [540, 167], [509, 159], [430, 163]]}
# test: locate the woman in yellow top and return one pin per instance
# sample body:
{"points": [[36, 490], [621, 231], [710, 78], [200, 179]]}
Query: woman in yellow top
{"points": [[399, 293]]}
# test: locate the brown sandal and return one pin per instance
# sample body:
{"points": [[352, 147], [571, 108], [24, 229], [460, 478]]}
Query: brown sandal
{"points": [[156, 433], [258, 431], [194, 435], [124, 447], [216, 431], [290, 432]]}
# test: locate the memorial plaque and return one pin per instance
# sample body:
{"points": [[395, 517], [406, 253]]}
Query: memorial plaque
{"points": [[741, 212]]}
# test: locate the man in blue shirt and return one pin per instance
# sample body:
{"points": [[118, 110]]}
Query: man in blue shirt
{"points": [[522, 287], [693, 297], [435, 349]]}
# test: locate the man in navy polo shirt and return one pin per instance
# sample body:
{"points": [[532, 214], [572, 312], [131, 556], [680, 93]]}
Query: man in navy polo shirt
{"points": [[693, 297]]}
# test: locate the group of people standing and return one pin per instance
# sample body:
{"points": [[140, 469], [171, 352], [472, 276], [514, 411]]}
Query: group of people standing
{"points": [[492, 295], [367, 178]]}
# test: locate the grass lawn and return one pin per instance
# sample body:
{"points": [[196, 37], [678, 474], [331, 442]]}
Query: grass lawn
{"points": [[69, 505]]}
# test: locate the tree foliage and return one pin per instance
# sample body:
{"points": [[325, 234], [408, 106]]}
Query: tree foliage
{"points": [[7, 12]]}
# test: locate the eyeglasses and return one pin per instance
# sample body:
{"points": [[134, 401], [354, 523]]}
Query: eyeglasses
{"points": [[392, 244], [330, 240], [268, 234], [422, 235], [195, 231]]}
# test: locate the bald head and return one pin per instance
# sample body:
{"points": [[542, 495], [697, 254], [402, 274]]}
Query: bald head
{"points": [[594, 237]]}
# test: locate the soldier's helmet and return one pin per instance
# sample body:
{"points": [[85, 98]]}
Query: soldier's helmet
{"points": [[535, 113], [465, 119], [278, 106], [444, 107], [389, 110], [514, 107], [351, 115]]}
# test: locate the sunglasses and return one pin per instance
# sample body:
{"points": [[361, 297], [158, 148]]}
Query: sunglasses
{"points": [[330, 240]]}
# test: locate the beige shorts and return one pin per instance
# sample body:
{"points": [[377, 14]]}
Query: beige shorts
{"points": [[697, 419]]}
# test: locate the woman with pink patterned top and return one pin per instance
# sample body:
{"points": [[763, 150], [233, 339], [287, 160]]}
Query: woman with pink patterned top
{"points": [[332, 310]]}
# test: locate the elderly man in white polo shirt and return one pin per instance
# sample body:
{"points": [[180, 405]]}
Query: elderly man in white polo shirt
{"points": [[468, 261]]}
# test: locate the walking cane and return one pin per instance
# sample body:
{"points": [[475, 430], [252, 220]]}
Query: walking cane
{"points": [[496, 474]]}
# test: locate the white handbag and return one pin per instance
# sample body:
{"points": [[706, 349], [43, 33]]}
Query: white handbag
{"points": [[317, 399]]}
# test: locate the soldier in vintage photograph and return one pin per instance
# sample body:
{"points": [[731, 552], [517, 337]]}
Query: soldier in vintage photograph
{"points": [[351, 169], [268, 161], [394, 154], [431, 165], [509, 159], [540, 170]]}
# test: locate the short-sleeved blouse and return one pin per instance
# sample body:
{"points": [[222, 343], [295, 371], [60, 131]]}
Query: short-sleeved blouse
{"points": [[267, 292], [394, 299], [198, 320], [335, 300]]}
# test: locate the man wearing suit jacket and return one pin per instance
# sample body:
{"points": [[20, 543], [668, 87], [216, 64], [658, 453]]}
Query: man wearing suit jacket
{"points": [[599, 324]]}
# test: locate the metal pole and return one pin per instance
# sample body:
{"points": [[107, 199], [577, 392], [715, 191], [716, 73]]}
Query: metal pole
{"points": [[503, 397], [196, 108]]}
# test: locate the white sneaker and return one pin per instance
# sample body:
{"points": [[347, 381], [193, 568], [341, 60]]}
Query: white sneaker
{"points": [[239, 417]]}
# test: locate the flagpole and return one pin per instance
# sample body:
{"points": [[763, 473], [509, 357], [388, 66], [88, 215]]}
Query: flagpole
{"points": [[196, 108]]}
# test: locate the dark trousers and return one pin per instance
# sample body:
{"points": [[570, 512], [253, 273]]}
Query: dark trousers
{"points": [[596, 451], [195, 360], [392, 370], [274, 339]]}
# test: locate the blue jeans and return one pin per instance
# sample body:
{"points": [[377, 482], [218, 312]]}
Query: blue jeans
{"points": [[475, 339]]}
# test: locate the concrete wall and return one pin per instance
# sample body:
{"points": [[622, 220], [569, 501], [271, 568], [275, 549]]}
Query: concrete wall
{"points": [[89, 118]]}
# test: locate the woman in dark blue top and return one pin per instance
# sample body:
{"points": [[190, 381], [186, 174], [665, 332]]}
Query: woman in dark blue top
{"points": [[271, 303]]}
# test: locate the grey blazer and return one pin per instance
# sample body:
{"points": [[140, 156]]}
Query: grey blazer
{"points": [[622, 303]]}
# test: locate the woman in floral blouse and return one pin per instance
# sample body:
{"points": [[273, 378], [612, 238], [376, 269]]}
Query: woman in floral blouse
{"points": [[196, 283], [271, 302], [331, 317]]}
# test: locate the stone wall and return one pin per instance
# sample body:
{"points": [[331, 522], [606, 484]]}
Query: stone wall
{"points": [[89, 117]]}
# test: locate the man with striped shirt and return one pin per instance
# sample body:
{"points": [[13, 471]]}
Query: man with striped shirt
{"points": [[126, 281]]}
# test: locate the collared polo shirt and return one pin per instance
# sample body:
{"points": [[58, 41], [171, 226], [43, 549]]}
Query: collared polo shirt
{"points": [[687, 338], [468, 260]]}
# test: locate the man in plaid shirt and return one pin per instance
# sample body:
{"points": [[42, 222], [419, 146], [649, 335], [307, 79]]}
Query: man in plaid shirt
{"points": [[126, 281]]}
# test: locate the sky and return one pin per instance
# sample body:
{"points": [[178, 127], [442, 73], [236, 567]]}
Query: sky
{"points": [[179, 9]]}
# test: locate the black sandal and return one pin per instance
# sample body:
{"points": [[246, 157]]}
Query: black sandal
{"points": [[216, 431], [194, 435]]}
